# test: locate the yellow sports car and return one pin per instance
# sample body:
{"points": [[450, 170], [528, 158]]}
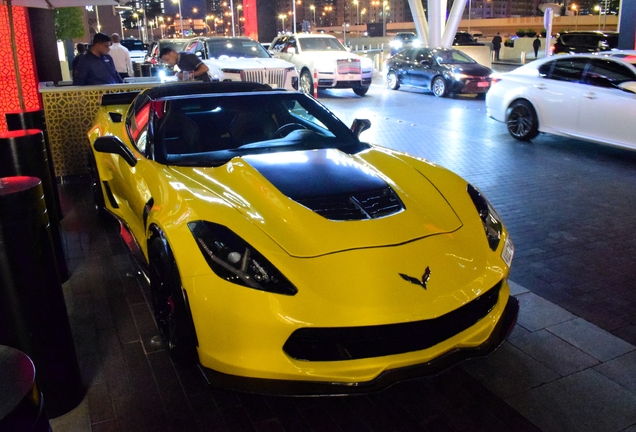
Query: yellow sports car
{"points": [[285, 255]]}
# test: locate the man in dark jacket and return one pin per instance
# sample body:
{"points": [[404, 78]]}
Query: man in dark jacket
{"points": [[496, 45], [96, 67], [186, 62], [536, 44]]}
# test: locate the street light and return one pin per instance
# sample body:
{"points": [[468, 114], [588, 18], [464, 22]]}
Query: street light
{"points": [[180, 16], [470, 7], [355, 2], [282, 18], [598, 9], [238, 17], [576, 12]]}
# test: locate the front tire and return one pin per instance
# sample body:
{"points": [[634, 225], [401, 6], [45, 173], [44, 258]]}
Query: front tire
{"points": [[439, 87], [392, 81], [522, 121], [306, 82], [169, 303], [360, 91]]}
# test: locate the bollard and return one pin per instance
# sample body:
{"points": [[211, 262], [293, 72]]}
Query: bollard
{"points": [[523, 57], [23, 153], [21, 402], [33, 316], [20, 120]]}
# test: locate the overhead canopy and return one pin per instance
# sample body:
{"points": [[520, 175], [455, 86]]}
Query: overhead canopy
{"points": [[52, 4]]}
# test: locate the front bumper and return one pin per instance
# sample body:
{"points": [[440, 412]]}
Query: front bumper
{"points": [[387, 378], [336, 80]]}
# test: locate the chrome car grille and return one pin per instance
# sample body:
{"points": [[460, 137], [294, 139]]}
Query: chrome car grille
{"points": [[274, 77], [349, 66], [357, 206]]}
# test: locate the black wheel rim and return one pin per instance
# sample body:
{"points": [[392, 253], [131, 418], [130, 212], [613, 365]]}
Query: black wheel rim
{"points": [[164, 304], [520, 121]]}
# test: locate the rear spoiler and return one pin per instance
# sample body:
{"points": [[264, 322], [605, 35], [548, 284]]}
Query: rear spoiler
{"points": [[124, 98]]}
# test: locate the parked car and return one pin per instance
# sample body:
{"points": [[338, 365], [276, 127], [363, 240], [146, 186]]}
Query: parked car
{"points": [[403, 40], [465, 38], [441, 70], [284, 254], [588, 97], [334, 65], [571, 42], [137, 49], [155, 48], [243, 59]]}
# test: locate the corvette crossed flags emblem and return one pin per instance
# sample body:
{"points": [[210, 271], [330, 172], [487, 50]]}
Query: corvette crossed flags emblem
{"points": [[425, 277]]}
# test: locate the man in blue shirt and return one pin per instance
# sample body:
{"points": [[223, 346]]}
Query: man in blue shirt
{"points": [[96, 67]]}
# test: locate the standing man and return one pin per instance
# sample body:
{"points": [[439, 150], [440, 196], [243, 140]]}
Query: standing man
{"points": [[186, 62], [96, 67], [121, 57], [81, 49], [496, 45], [536, 44]]}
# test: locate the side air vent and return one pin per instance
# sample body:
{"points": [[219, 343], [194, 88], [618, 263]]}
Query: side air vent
{"points": [[361, 205]]}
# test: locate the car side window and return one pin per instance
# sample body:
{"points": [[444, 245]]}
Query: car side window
{"points": [[570, 70], [607, 73], [278, 45]]}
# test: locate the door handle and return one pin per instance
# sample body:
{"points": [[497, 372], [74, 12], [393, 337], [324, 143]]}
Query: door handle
{"points": [[590, 95], [540, 86]]}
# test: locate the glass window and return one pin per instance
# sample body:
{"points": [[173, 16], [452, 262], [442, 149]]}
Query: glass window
{"points": [[321, 44], [570, 70], [607, 73]]}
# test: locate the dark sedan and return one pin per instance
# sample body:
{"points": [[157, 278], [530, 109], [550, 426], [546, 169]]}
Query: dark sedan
{"points": [[441, 70]]}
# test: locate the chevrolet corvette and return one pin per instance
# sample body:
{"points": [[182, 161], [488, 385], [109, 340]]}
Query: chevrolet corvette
{"points": [[287, 256]]}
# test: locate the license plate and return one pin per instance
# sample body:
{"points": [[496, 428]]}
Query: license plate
{"points": [[508, 251], [483, 84]]}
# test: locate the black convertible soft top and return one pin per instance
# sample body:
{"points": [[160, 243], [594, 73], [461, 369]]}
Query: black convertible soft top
{"points": [[183, 89]]}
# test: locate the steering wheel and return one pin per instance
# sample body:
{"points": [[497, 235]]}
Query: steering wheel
{"points": [[285, 129]]}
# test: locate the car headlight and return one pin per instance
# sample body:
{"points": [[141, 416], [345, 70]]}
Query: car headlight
{"points": [[233, 259], [395, 44], [231, 71], [489, 218]]}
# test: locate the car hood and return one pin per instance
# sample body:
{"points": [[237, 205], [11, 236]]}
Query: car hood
{"points": [[330, 55], [268, 190], [247, 63], [473, 69]]}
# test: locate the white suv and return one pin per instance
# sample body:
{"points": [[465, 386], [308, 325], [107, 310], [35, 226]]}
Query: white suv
{"points": [[242, 59], [334, 65]]}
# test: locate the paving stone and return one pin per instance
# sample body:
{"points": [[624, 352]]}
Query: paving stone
{"points": [[591, 339], [535, 313], [583, 402], [622, 370], [553, 352]]}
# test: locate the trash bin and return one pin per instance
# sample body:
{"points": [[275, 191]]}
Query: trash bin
{"points": [[21, 402], [145, 69], [33, 316], [23, 153], [20, 120], [137, 69]]}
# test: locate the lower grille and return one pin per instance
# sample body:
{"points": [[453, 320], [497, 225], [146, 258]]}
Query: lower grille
{"points": [[273, 77], [349, 66], [350, 343]]}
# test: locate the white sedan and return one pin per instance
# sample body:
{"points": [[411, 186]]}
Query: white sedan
{"points": [[324, 55], [588, 97]]}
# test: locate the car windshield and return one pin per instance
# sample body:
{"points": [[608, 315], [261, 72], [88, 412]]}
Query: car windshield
{"points": [[133, 45], [320, 44], [405, 37], [451, 57], [210, 130], [235, 48]]}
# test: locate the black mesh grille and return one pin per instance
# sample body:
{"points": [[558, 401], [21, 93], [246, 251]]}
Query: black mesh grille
{"points": [[361, 205], [350, 343]]}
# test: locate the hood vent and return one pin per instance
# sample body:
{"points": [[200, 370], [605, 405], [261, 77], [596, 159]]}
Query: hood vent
{"points": [[357, 206]]}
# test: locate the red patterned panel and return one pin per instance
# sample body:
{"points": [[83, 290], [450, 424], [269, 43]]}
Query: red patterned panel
{"points": [[8, 85]]}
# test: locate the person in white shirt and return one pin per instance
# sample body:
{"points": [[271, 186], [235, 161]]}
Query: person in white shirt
{"points": [[121, 57]]}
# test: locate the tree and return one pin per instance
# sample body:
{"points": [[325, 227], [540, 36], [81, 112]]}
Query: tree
{"points": [[69, 23]]}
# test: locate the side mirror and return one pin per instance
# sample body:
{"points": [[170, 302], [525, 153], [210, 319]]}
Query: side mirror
{"points": [[112, 144], [291, 50], [360, 125]]}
